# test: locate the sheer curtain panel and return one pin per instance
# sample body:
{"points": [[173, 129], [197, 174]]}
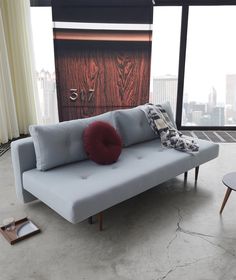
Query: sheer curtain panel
{"points": [[16, 31], [8, 120]]}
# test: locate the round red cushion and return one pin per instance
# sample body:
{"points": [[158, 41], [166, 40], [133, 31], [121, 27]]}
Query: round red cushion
{"points": [[102, 143]]}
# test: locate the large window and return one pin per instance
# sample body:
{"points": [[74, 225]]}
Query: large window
{"points": [[204, 91], [165, 55], [41, 18], [210, 70]]}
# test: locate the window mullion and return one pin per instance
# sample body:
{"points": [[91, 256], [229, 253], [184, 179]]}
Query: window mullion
{"points": [[182, 57]]}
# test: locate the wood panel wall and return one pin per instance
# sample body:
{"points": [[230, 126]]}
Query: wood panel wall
{"points": [[101, 70], [105, 76]]}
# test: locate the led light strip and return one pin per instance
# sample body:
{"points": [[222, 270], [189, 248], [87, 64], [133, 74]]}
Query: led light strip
{"points": [[102, 26]]}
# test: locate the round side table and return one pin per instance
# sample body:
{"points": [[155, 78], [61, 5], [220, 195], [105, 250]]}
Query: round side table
{"points": [[229, 180]]}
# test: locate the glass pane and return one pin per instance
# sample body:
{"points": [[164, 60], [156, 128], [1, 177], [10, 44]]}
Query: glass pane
{"points": [[210, 73], [165, 55], [41, 19]]}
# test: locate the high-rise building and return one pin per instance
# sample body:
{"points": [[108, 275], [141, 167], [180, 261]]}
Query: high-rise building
{"points": [[212, 100], [47, 96], [165, 89], [218, 116], [194, 113], [230, 98], [196, 117]]}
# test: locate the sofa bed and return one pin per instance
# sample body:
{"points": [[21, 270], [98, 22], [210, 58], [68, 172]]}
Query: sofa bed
{"points": [[52, 165]]}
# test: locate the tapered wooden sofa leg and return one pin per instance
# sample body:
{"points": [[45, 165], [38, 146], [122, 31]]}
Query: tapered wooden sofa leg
{"points": [[185, 175], [196, 173], [100, 221]]}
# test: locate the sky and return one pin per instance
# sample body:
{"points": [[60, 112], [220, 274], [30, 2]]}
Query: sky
{"points": [[41, 18], [211, 46]]}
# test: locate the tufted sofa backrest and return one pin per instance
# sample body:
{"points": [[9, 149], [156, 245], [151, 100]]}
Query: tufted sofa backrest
{"points": [[62, 143], [133, 126]]}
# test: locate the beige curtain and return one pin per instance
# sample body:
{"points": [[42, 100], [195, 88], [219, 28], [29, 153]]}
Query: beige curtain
{"points": [[18, 37], [8, 120]]}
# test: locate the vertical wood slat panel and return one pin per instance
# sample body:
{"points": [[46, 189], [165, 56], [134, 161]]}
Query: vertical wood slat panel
{"points": [[118, 73]]}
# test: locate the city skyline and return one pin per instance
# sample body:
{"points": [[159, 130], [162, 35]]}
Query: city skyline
{"points": [[210, 113]]}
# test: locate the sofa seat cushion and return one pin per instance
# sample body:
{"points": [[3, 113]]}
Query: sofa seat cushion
{"points": [[82, 189], [102, 143]]}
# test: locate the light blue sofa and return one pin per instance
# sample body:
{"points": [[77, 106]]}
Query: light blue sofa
{"points": [[77, 188]]}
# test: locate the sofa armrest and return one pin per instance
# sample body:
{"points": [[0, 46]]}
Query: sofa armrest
{"points": [[23, 159]]}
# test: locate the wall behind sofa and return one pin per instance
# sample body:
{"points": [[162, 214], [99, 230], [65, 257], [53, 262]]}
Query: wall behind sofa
{"points": [[102, 55]]}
